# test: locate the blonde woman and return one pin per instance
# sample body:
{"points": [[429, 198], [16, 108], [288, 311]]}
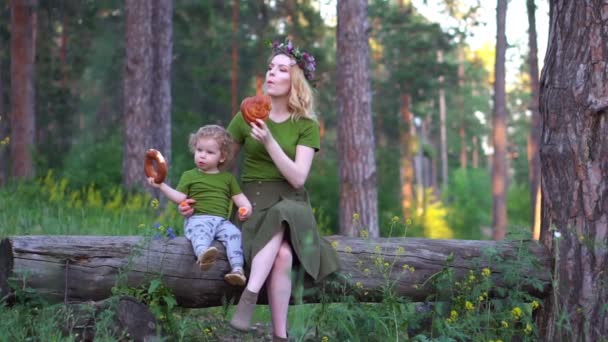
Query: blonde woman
{"points": [[282, 232]]}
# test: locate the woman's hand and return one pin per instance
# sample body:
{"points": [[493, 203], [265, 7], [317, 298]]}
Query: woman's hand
{"points": [[261, 133], [186, 208]]}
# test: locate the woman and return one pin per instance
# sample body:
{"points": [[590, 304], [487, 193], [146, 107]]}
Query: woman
{"points": [[282, 231]]}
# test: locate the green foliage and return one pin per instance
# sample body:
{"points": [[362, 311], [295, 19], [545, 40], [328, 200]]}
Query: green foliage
{"points": [[470, 202]]}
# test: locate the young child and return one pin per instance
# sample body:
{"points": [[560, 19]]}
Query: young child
{"points": [[212, 190]]}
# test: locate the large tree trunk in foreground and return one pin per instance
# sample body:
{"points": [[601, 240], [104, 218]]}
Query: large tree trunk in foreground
{"points": [[574, 157], [79, 268]]}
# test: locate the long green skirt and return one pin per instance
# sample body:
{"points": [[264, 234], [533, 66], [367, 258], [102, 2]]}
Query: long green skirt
{"points": [[278, 205]]}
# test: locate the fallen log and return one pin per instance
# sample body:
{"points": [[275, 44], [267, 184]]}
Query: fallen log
{"points": [[83, 268]]}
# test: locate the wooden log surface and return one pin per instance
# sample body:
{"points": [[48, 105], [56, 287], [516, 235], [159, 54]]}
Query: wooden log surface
{"points": [[83, 268]]}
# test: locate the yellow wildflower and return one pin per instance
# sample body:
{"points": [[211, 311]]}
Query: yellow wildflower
{"points": [[154, 203], [324, 339], [400, 250], [378, 249], [359, 285], [356, 217], [364, 233], [347, 249], [528, 328], [486, 272], [395, 219], [386, 264], [504, 324], [335, 244], [469, 306], [517, 312], [535, 305], [366, 271]]}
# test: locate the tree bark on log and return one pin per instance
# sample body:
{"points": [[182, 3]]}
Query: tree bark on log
{"points": [[83, 268]]}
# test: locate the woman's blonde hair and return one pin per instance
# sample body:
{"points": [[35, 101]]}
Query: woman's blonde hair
{"points": [[217, 133], [301, 102]]}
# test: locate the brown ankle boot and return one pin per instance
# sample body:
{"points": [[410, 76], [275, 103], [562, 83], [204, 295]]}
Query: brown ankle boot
{"points": [[276, 338], [244, 310]]}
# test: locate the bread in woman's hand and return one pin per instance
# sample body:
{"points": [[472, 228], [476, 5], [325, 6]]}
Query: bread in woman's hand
{"points": [[255, 107]]}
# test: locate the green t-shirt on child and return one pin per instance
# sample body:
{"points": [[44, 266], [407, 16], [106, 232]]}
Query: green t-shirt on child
{"points": [[258, 164], [212, 191]]}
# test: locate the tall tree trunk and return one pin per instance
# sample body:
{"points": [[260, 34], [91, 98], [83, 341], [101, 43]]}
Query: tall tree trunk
{"points": [[499, 160], [462, 133], [535, 127], [234, 69], [442, 128], [574, 157], [475, 154], [149, 35], [358, 190], [137, 90], [406, 169], [4, 133], [22, 118], [162, 45]]}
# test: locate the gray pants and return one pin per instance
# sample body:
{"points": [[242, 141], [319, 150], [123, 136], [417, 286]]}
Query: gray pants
{"points": [[201, 230]]}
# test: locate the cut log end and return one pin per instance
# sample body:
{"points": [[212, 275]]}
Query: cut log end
{"points": [[6, 267]]}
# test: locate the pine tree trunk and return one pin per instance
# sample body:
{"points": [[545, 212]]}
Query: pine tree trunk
{"points": [[22, 117], [443, 128], [406, 167], [162, 45], [574, 158], [535, 127], [4, 133], [499, 160], [149, 35], [358, 190], [234, 69], [462, 133], [137, 90]]}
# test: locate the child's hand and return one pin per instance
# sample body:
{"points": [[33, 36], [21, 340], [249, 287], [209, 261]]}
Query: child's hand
{"points": [[153, 183], [186, 208], [244, 213]]}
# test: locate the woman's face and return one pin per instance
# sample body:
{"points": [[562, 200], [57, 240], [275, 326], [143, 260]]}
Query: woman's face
{"points": [[278, 78]]}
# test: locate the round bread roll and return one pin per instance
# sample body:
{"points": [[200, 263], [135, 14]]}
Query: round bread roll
{"points": [[155, 166], [255, 107]]}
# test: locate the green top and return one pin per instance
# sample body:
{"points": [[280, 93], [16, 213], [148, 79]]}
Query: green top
{"points": [[212, 191], [257, 164]]}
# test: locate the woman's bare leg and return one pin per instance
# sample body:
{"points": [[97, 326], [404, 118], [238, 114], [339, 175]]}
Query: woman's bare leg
{"points": [[262, 263], [279, 289]]}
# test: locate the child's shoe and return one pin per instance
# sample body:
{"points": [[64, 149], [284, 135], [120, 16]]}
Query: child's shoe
{"points": [[207, 258], [236, 277]]}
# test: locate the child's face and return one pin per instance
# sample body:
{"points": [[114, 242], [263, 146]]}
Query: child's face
{"points": [[207, 155]]}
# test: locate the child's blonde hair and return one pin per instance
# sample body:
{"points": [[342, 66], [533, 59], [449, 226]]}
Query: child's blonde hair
{"points": [[217, 133]]}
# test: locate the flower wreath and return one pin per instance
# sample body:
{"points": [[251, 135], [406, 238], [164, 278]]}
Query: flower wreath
{"points": [[305, 60]]}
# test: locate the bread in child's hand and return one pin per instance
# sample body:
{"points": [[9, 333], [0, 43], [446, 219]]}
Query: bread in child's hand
{"points": [[160, 171], [255, 107]]}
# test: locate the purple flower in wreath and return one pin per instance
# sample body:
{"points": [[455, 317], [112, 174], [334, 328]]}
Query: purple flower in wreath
{"points": [[305, 60]]}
